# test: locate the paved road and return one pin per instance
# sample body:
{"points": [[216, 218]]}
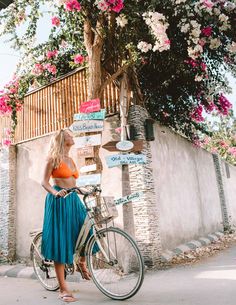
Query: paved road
{"points": [[211, 282]]}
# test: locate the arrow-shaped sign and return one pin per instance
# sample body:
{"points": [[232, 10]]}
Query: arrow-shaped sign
{"points": [[86, 126], [131, 197], [90, 116], [111, 146], [90, 106], [92, 140]]}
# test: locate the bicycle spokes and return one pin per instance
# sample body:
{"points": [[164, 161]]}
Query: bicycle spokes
{"points": [[44, 269], [117, 268]]}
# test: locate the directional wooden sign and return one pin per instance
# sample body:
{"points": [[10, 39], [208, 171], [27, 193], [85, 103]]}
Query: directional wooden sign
{"points": [[87, 126], [131, 197], [88, 168], [111, 146], [124, 145], [116, 160], [90, 106], [92, 140], [87, 152], [90, 116], [88, 180]]}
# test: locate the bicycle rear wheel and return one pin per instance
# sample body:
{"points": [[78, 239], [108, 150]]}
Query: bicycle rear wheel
{"points": [[44, 269], [118, 269]]}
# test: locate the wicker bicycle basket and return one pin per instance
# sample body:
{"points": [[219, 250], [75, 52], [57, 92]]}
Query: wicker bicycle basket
{"points": [[104, 209]]}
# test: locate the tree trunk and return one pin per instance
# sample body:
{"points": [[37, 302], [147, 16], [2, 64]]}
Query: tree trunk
{"points": [[94, 72], [94, 40]]}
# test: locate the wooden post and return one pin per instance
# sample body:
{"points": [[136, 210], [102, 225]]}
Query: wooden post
{"points": [[128, 218]]}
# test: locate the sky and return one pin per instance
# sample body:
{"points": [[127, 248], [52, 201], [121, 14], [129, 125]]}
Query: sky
{"points": [[9, 59]]}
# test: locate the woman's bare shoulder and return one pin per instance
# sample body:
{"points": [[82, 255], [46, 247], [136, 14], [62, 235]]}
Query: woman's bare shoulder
{"points": [[49, 162]]}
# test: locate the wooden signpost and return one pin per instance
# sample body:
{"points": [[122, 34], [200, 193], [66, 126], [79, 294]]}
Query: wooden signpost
{"points": [[92, 140], [88, 180], [116, 160], [90, 106], [87, 126], [90, 116], [88, 168], [87, 152], [128, 198], [124, 145], [111, 146]]}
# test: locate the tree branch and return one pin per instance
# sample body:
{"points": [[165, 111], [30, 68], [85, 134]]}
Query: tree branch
{"points": [[113, 77], [98, 40], [88, 34]]}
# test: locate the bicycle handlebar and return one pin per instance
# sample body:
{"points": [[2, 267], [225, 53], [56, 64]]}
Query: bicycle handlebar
{"points": [[95, 189]]}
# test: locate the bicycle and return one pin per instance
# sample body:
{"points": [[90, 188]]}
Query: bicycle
{"points": [[112, 256]]}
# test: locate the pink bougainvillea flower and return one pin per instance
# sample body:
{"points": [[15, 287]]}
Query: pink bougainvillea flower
{"points": [[232, 151], [191, 62], [167, 42], [13, 82], [5, 109], [51, 54], [197, 143], [118, 6], [209, 107], [6, 142], [103, 5], [79, 59], [13, 90], [110, 5], [208, 3], [223, 105], [51, 68], [8, 132], [37, 70], [19, 105], [223, 144], [72, 6], [55, 21], [196, 114], [203, 66], [207, 31]]}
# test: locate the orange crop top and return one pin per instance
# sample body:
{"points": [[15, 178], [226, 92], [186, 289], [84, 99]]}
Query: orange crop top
{"points": [[63, 171]]}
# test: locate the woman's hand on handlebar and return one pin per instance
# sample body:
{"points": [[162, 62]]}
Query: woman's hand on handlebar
{"points": [[61, 193]]}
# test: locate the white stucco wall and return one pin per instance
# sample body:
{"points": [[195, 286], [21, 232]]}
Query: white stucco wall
{"points": [[187, 198], [230, 188], [31, 156], [186, 188]]}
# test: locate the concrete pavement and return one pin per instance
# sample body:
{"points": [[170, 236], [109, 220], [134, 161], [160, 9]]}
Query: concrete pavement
{"points": [[210, 282], [20, 270]]}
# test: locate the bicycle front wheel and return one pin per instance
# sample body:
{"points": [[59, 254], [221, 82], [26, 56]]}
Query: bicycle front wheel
{"points": [[117, 269], [44, 269]]}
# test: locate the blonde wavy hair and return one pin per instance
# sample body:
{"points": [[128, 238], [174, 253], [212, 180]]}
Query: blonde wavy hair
{"points": [[56, 150]]}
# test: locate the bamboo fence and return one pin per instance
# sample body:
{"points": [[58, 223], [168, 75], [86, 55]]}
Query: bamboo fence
{"points": [[52, 107]]}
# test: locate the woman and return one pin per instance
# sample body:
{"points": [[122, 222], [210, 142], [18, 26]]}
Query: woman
{"points": [[63, 217]]}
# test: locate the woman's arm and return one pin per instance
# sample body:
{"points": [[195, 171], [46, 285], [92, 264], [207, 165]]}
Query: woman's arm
{"points": [[47, 174]]}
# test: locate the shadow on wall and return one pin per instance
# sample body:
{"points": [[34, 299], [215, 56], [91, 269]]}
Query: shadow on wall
{"points": [[30, 195]]}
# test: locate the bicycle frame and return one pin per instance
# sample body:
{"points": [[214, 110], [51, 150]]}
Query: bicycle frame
{"points": [[84, 232], [99, 243], [33, 235], [88, 224]]}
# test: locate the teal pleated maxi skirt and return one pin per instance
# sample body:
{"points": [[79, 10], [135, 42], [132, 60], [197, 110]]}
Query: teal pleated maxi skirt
{"points": [[63, 219]]}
